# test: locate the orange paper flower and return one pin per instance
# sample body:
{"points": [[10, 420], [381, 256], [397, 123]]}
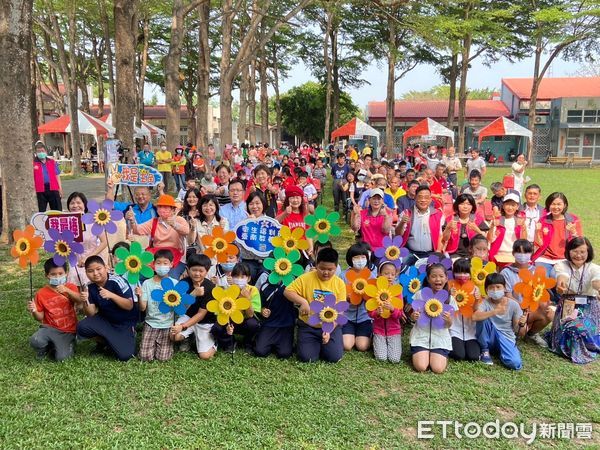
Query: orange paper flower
{"points": [[463, 295], [26, 246], [357, 283], [534, 288], [219, 244]]}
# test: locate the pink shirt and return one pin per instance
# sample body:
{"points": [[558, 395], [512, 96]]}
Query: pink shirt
{"points": [[371, 228], [165, 235], [387, 327]]}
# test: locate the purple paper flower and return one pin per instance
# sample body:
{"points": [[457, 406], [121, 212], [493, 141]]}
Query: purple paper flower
{"points": [[432, 307], [102, 216], [392, 251], [329, 313], [435, 259], [63, 246]]}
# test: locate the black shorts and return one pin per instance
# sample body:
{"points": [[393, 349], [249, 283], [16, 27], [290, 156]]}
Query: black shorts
{"points": [[437, 351], [358, 329]]}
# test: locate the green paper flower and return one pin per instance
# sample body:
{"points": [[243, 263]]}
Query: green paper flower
{"points": [[134, 262], [322, 225], [282, 266]]}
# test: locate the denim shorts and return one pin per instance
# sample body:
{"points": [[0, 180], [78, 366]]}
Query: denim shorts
{"points": [[358, 329]]}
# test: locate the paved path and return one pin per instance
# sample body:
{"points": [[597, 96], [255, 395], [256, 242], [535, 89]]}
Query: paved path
{"points": [[91, 185]]}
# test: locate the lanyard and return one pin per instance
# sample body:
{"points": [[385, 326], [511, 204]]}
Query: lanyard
{"points": [[580, 287]]}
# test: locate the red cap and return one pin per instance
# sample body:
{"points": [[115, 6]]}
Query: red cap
{"points": [[294, 191]]}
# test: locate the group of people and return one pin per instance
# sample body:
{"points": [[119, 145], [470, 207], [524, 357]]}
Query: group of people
{"points": [[447, 232]]}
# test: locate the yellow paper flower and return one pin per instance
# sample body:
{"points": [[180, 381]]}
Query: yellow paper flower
{"points": [[479, 272], [290, 240], [382, 292], [228, 305]]}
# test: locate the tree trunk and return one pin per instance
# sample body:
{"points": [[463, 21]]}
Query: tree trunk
{"points": [[125, 12], [329, 76], [278, 131], [242, 121], [109, 58], [533, 97], [71, 85], [336, 79], [390, 99], [39, 103], [33, 83], [191, 136], [452, 77], [203, 85], [226, 86], [98, 63], [252, 103], [139, 116], [15, 123], [264, 99], [462, 93]]}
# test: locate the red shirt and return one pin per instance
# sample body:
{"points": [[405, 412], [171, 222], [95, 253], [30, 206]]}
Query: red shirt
{"points": [[294, 220], [58, 310]]}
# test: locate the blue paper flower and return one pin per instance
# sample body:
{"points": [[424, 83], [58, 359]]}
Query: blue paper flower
{"points": [[172, 297], [411, 281]]}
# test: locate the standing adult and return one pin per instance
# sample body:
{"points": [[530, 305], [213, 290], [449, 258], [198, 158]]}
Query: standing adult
{"points": [[518, 172], [163, 160], [46, 178], [453, 165], [235, 211], [339, 171], [475, 162], [146, 156]]}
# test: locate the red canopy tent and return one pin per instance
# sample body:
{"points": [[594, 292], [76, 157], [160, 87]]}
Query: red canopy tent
{"points": [[87, 125], [427, 127], [503, 127], [355, 128]]}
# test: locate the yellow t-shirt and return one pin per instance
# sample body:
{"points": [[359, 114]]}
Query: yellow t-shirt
{"points": [[311, 287], [399, 193], [354, 155], [367, 150], [164, 155]]}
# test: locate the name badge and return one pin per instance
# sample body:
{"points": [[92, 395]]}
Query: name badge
{"points": [[581, 300]]}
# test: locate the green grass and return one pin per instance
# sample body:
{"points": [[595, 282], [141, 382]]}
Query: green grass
{"points": [[95, 402]]}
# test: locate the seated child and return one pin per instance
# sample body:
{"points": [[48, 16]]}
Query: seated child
{"points": [[220, 274], [53, 306], [499, 319], [314, 344], [156, 343], [111, 312]]}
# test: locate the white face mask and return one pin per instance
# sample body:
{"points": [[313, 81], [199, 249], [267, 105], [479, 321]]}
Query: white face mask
{"points": [[496, 295], [522, 258], [161, 271], [359, 263], [240, 282], [163, 148], [57, 281]]}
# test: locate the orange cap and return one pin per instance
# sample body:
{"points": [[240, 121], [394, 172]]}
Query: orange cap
{"points": [[166, 200]]}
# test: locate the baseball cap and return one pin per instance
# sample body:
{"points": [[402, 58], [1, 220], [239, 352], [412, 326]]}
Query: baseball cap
{"points": [[375, 192], [514, 197]]}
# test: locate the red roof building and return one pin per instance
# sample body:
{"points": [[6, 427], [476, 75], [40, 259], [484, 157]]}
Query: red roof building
{"points": [[411, 111]]}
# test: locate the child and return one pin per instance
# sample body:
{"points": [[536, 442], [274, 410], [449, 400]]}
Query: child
{"points": [[220, 274], [318, 247], [156, 342], [504, 231], [357, 331], [499, 319], [197, 319], [464, 330], [479, 247], [111, 312], [537, 320], [497, 199], [387, 333], [240, 276], [54, 308], [310, 192], [314, 344], [430, 346]]}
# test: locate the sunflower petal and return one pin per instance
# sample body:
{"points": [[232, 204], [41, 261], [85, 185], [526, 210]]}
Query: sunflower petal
{"points": [[296, 233], [120, 267], [237, 317], [223, 319], [269, 263], [302, 244], [122, 253], [164, 308], [212, 306], [297, 270], [293, 256], [133, 278], [382, 283], [147, 272], [243, 303], [274, 278], [277, 241], [371, 290]]}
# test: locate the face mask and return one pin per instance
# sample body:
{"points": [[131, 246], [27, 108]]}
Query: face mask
{"points": [[228, 267], [359, 263], [179, 152], [462, 277], [57, 281], [161, 271], [163, 148], [240, 282], [361, 177], [496, 295], [41, 155], [522, 258]]}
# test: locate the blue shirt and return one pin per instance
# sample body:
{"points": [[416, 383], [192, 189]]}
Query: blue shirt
{"points": [[339, 173], [140, 216], [357, 313], [234, 214], [405, 202], [108, 309], [146, 158], [283, 313], [45, 171]]}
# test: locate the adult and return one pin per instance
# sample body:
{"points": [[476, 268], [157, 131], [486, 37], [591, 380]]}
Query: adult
{"points": [[453, 165], [575, 331], [141, 210], [235, 211], [432, 158], [190, 212], [475, 162], [163, 161], [295, 208], [438, 185], [374, 222], [518, 172], [393, 193], [339, 171], [462, 226], [223, 178], [46, 178], [208, 218], [146, 156], [475, 188], [262, 183], [533, 211], [179, 161], [408, 201], [256, 207]]}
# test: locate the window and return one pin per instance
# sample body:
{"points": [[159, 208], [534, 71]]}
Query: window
{"points": [[590, 116], [574, 116]]}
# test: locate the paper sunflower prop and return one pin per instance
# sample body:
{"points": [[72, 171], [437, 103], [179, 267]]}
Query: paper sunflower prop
{"points": [[463, 296], [228, 305], [392, 251], [411, 281], [381, 292], [219, 244], [322, 225], [63, 246], [479, 272], [534, 288], [432, 306], [26, 246], [357, 285], [102, 217], [282, 266], [435, 259], [329, 313], [290, 240], [172, 297], [134, 262]]}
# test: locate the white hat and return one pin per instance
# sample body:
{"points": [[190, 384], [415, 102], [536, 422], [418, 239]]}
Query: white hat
{"points": [[514, 197], [374, 192]]}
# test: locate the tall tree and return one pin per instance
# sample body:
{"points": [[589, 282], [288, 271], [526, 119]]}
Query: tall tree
{"points": [[203, 84]]}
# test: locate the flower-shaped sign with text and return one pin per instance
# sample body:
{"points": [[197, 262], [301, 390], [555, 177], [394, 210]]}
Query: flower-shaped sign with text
{"points": [[228, 305], [282, 266], [329, 313], [479, 272], [26, 246], [220, 244], [102, 217], [411, 281], [463, 295], [357, 285], [534, 287], [63, 246], [392, 251], [382, 292], [322, 225], [432, 307], [290, 240], [134, 262], [172, 297]]}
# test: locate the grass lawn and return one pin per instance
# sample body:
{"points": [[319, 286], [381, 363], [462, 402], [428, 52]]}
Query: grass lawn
{"points": [[245, 402]]}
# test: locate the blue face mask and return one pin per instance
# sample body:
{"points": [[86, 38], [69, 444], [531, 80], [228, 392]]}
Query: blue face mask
{"points": [[161, 271], [228, 267], [57, 281], [496, 295], [42, 155]]}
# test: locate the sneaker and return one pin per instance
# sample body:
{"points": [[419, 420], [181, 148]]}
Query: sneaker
{"points": [[537, 340], [184, 346], [486, 358], [41, 354], [230, 348]]}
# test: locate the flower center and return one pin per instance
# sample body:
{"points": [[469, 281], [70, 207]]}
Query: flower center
{"points": [[172, 298], [227, 305], [328, 315], [322, 226], [414, 285], [62, 248], [220, 245], [433, 308], [392, 253], [481, 276], [283, 267], [22, 246], [384, 296], [102, 217], [133, 264], [290, 243], [359, 286], [460, 298], [537, 292]]}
